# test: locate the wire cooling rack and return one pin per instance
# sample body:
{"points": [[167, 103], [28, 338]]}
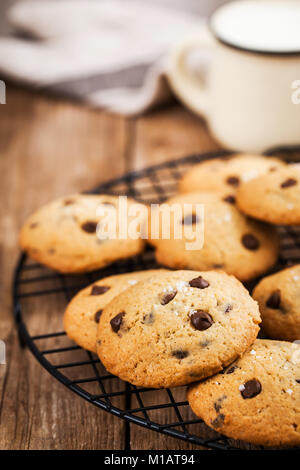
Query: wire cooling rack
{"points": [[165, 411]]}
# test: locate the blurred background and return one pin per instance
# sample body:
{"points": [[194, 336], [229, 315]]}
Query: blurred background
{"points": [[108, 53], [198, 7]]}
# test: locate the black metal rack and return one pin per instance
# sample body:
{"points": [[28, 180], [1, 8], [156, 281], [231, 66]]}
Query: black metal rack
{"points": [[80, 370]]}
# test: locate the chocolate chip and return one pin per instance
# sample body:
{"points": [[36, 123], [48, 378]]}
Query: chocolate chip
{"points": [[148, 319], [274, 300], [180, 354], [218, 403], [201, 320], [288, 183], [99, 290], [230, 199], [97, 315], [219, 421], [217, 406], [167, 297], [116, 322], [33, 225], [251, 388], [199, 283], [228, 308], [89, 227], [190, 219], [51, 251], [233, 180], [298, 381], [250, 242], [230, 370]]}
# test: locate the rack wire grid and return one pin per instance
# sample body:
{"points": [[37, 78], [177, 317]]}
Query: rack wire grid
{"points": [[165, 411]]}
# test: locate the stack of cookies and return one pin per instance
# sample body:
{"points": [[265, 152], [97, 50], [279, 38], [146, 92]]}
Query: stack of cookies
{"points": [[194, 322]]}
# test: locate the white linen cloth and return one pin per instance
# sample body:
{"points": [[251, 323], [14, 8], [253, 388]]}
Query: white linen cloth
{"points": [[108, 53]]}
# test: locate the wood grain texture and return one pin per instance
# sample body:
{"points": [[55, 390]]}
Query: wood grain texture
{"points": [[168, 134], [49, 148]]}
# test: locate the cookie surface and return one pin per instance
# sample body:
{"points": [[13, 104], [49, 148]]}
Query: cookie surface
{"points": [[256, 399], [279, 302], [176, 327], [83, 313], [224, 175], [274, 197], [62, 235], [232, 242]]}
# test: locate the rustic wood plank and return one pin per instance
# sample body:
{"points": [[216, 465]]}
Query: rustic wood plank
{"points": [[48, 148], [168, 134], [165, 135]]}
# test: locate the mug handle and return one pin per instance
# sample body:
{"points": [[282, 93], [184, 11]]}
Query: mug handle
{"points": [[187, 87]]}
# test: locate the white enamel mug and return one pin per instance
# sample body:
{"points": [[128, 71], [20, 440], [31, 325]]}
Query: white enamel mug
{"points": [[251, 96]]}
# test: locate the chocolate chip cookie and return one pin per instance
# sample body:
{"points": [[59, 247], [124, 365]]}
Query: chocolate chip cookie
{"points": [[232, 242], [176, 327], [83, 313], [274, 197], [278, 297], [256, 399], [62, 234], [225, 175]]}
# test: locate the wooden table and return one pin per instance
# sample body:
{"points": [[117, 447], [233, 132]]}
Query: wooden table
{"points": [[49, 148]]}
